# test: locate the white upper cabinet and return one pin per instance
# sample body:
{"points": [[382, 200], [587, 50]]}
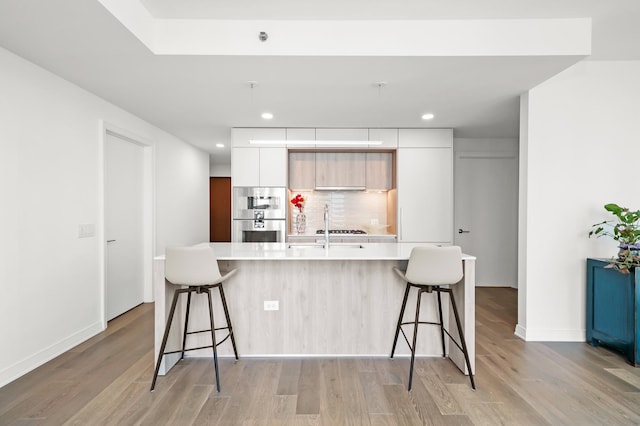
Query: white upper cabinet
{"points": [[258, 166], [424, 173], [425, 195], [346, 138], [245, 166], [273, 167], [425, 138], [243, 136], [388, 137], [301, 137]]}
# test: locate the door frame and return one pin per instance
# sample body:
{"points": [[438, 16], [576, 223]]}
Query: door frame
{"points": [[484, 155], [148, 214]]}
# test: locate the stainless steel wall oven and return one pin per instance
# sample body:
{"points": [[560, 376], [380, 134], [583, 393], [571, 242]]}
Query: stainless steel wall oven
{"points": [[259, 214]]}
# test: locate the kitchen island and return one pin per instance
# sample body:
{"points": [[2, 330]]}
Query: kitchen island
{"points": [[340, 301]]}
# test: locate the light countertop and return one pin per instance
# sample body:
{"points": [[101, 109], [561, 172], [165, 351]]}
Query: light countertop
{"points": [[342, 235], [300, 251]]}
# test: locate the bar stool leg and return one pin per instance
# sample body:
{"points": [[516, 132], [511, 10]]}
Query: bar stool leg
{"points": [[444, 352], [186, 325], [462, 341], [165, 337], [415, 338], [213, 340], [228, 318], [404, 305]]}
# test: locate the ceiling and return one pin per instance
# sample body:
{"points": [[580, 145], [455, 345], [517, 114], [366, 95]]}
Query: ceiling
{"points": [[199, 98]]}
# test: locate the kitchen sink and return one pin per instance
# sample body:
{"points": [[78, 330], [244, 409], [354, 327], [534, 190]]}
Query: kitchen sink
{"points": [[321, 246]]}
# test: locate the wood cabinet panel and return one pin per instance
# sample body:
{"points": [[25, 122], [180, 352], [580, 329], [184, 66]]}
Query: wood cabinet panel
{"points": [[340, 169], [302, 170], [379, 170]]}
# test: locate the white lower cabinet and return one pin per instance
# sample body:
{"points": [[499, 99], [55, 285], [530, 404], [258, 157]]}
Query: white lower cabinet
{"points": [[425, 195]]}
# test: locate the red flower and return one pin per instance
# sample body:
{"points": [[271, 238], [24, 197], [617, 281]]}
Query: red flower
{"points": [[298, 201]]}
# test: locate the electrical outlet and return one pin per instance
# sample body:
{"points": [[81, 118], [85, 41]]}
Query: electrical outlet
{"points": [[271, 305]]}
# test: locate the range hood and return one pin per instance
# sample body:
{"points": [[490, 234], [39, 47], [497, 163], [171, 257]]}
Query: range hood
{"points": [[340, 188]]}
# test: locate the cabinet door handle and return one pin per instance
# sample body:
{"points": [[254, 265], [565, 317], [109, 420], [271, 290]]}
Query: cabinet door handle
{"points": [[400, 226], [111, 241], [462, 231]]}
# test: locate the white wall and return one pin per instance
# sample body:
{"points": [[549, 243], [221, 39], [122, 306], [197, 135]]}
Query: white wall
{"points": [[50, 182], [581, 153], [220, 170], [502, 145]]}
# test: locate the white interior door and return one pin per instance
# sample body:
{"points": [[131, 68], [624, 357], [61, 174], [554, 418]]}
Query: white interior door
{"points": [[124, 186], [486, 210]]}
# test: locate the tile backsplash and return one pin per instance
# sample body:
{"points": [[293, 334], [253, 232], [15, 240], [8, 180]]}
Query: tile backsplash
{"points": [[347, 209]]}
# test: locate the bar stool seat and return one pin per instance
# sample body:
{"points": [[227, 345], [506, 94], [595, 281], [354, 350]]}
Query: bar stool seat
{"points": [[429, 268], [195, 270]]}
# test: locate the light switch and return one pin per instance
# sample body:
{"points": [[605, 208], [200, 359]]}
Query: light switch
{"points": [[86, 230]]}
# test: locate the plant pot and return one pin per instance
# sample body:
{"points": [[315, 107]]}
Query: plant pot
{"points": [[613, 301]]}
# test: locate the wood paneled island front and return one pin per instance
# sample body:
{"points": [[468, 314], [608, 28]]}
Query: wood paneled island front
{"points": [[341, 301]]}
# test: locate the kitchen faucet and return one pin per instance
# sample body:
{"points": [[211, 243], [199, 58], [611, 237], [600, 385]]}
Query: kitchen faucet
{"points": [[326, 226]]}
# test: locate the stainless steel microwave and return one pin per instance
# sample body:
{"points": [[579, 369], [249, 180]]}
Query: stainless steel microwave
{"points": [[271, 202]]}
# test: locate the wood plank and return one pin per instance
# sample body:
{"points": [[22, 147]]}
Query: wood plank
{"points": [[106, 381], [309, 387], [354, 402], [289, 377], [331, 406]]}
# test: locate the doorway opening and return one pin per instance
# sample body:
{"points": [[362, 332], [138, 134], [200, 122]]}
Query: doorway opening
{"points": [[486, 215], [127, 221]]}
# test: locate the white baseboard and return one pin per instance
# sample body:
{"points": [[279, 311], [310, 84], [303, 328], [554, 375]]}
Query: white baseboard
{"points": [[22, 367], [550, 334], [520, 332]]}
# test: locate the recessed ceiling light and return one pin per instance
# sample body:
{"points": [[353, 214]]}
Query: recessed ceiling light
{"points": [[267, 115], [427, 116], [219, 145]]}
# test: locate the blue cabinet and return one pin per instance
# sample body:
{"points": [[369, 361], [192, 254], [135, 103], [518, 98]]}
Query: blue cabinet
{"points": [[612, 309]]}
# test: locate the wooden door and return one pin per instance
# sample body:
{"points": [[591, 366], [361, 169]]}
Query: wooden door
{"points": [[220, 209]]}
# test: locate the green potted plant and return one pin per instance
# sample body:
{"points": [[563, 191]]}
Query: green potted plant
{"points": [[613, 287], [626, 231]]}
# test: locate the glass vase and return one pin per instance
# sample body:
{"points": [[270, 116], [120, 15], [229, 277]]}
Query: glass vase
{"points": [[300, 223]]}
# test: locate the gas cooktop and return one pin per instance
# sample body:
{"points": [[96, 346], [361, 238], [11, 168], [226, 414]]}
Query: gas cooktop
{"points": [[342, 231]]}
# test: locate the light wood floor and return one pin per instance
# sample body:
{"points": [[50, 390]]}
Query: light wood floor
{"points": [[106, 381]]}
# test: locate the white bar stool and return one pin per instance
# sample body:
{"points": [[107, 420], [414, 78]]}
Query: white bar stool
{"points": [[195, 270], [429, 268]]}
